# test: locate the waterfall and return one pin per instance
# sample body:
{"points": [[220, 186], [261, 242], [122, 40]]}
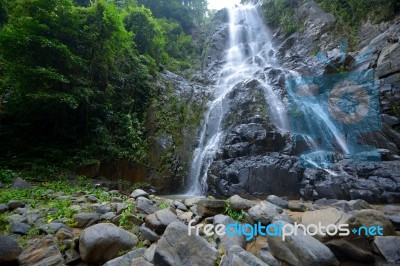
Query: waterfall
{"points": [[249, 53]]}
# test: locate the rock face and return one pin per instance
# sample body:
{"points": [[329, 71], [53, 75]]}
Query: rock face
{"points": [[42, 252], [102, 242], [176, 247], [9, 250]]}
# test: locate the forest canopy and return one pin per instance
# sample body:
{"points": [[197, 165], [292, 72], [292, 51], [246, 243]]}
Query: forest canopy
{"points": [[76, 77]]}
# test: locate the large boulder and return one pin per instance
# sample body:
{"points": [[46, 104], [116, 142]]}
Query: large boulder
{"points": [[146, 206], [370, 218], [388, 246], [20, 183], [9, 250], [103, 242], [301, 249], [208, 207], [86, 219], [127, 258], [42, 252], [177, 247], [264, 212], [238, 203], [159, 220], [239, 256], [227, 241]]}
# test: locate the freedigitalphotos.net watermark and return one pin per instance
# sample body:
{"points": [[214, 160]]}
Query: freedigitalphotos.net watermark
{"points": [[281, 229]]}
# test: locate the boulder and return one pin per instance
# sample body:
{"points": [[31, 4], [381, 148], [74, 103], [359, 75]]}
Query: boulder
{"points": [[20, 183], [52, 228], [149, 253], [86, 219], [227, 241], [146, 206], [102, 242], [355, 249], [20, 228], [388, 246], [3, 208], [159, 220], [139, 193], [239, 256], [177, 247], [301, 249], [193, 201], [14, 204], [238, 203], [370, 218], [9, 250], [41, 252], [264, 212], [149, 235], [140, 262], [284, 204], [297, 207], [207, 207], [127, 258]]}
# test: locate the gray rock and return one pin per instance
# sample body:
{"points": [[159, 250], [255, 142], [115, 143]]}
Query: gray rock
{"points": [[390, 120], [193, 201], [108, 216], [388, 246], [9, 250], [86, 219], [264, 212], [354, 249], [238, 203], [20, 183], [42, 252], [359, 204], [64, 234], [159, 220], [297, 207], [127, 258], [53, 228], [147, 234], [17, 218], [146, 206], [284, 204], [103, 209], [149, 254], [92, 199], [3, 208], [180, 206], [185, 216], [140, 262], [370, 218], [176, 247], [20, 228], [71, 257], [207, 207], [14, 204], [139, 193], [239, 256], [226, 240], [301, 249], [102, 242]]}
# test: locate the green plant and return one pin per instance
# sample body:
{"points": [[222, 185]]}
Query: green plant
{"points": [[238, 216], [7, 175], [124, 220], [163, 204]]}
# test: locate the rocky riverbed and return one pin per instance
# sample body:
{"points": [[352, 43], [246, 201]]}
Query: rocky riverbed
{"points": [[63, 224]]}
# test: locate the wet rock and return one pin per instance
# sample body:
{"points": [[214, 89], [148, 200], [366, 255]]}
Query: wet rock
{"points": [[102, 242], [146, 206], [42, 252], [238, 203], [370, 218], [207, 207], [147, 234], [127, 258], [86, 219], [139, 193], [9, 250], [388, 246], [159, 220], [264, 212], [301, 249], [20, 228], [239, 256], [284, 204], [20, 183], [176, 247]]}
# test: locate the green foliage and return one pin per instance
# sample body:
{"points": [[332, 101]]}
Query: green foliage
{"points": [[163, 204], [124, 221], [238, 216], [350, 14], [280, 13], [7, 175]]}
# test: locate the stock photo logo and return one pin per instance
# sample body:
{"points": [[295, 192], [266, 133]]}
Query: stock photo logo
{"points": [[331, 112]]}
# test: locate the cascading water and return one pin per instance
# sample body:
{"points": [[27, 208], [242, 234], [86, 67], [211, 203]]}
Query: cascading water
{"points": [[249, 53]]}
